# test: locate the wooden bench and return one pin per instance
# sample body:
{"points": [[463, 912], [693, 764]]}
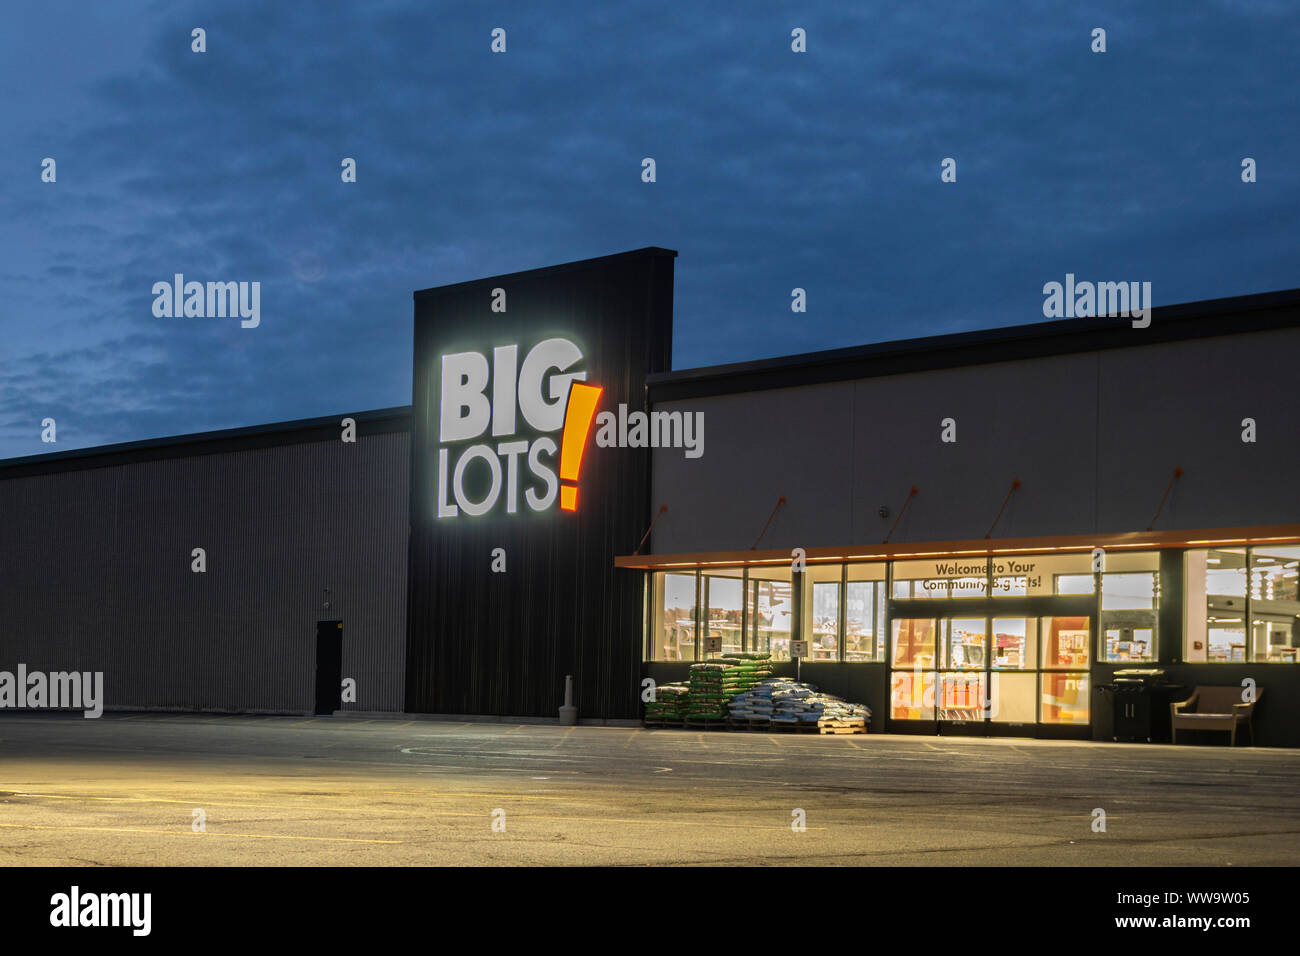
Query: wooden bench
{"points": [[1214, 708]]}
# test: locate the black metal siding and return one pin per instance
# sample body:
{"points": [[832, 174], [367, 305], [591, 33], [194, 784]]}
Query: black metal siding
{"points": [[95, 574], [485, 643]]}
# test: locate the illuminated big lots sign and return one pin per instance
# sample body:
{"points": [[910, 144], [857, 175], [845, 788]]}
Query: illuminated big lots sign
{"points": [[512, 585], [506, 427]]}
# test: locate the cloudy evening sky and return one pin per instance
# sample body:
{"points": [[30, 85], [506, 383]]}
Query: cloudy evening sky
{"points": [[775, 170]]}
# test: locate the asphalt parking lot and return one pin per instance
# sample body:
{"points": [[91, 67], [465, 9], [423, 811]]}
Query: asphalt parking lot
{"points": [[125, 789]]}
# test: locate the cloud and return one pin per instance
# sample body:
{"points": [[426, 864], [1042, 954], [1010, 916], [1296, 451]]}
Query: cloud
{"points": [[775, 170]]}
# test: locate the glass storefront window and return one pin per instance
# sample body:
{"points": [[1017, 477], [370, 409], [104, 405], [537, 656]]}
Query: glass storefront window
{"points": [[822, 623], [1273, 573], [1226, 587], [979, 659], [1066, 642], [1275, 603], [1130, 605], [913, 643], [1076, 584], [1065, 698], [841, 608], [772, 622], [1014, 670], [961, 644], [860, 619], [1015, 643], [1129, 643], [1225, 572], [864, 612], [826, 617], [1013, 698], [961, 696], [1005, 668], [1226, 637], [1218, 577], [723, 599], [911, 695], [676, 615], [1128, 591]]}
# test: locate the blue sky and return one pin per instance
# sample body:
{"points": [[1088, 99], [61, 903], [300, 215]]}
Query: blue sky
{"points": [[775, 170]]}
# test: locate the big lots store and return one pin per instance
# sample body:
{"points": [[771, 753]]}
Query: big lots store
{"points": [[970, 533]]}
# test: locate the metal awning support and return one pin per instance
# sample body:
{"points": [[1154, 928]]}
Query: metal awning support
{"points": [[910, 495], [779, 502], [1178, 473], [1015, 483], [653, 521]]}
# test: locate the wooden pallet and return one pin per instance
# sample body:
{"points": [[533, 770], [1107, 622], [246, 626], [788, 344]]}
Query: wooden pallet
{"points": [[811, 727], [706, 723], [758, 724], [788, 727]]}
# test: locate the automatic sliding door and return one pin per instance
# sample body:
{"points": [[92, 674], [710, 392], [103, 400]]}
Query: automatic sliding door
{"points": [[963, 678], [1067, 651], [1014, 665], [912, 675]]}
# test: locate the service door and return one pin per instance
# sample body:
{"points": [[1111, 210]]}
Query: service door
{"points": [[329, 666]]}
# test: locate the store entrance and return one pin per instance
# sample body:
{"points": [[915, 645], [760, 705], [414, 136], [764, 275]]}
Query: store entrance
{"points": [[1007, 670]]}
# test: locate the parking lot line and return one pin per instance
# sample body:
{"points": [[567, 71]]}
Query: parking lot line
{"points": [[190, 834]]}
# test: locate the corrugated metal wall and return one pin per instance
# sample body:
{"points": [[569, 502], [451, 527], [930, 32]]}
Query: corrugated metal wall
{"points": [[503, 643], [95, 574], [1094, 437]]}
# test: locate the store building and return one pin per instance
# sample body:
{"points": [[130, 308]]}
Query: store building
{"points": [[1089, 496], [299, 531], [994, 609]]}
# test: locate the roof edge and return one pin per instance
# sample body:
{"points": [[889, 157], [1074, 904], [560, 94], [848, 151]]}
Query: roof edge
{"points": [[1039, 339], [379, 421], [578, 265]]}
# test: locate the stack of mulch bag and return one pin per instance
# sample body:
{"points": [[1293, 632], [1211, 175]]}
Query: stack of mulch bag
{"points": [[713, 684], [791, 703], [669, 703], [753, 704]]}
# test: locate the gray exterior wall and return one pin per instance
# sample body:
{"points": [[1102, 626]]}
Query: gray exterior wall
{"points": [[95, 574], [1093, 436]]}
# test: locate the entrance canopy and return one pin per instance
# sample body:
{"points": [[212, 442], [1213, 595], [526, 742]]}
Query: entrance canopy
{"points": [[1126, 541]]}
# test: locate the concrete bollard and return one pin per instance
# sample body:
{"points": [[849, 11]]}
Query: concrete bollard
{"points": [[568, 713]]}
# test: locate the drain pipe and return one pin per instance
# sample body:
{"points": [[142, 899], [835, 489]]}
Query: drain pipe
{"points": [[568, 713]]}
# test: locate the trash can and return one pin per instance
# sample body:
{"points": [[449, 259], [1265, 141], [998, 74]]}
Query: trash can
{"points": [[1140, 701]]}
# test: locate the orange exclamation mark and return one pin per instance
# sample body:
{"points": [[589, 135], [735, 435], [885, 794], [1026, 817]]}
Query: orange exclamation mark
{"points": [[577, 425]]}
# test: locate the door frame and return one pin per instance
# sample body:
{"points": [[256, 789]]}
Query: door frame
{"points": [[1026, 606], [323, 628]]}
